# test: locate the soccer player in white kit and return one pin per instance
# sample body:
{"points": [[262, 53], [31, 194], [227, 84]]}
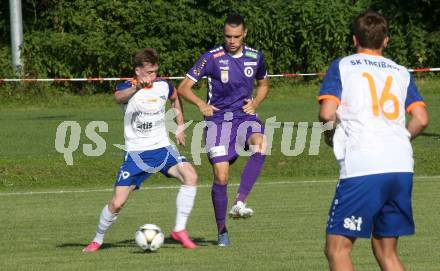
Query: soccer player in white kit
{"points": [[147, 147], [366, 96]]}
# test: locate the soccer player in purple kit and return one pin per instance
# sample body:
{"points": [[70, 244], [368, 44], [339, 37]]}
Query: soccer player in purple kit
{"points": [[230, 116]]}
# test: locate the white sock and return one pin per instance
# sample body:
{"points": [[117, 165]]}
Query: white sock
{"points": [[184, 204], [106, 219]]}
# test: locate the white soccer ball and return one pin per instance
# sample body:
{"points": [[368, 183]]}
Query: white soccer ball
{"points": [[149, 237]]}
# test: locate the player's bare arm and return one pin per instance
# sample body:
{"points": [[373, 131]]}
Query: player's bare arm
{"points": [[144, 76], [327, 114], [261, 93], [176, 103], [418, 122], [185, 90], [122, 96]]}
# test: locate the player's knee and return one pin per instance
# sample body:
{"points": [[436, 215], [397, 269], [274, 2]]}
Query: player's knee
{"points": [[190, 178], [333, 251], [221, 178], [333, 254], [259, 144], [116, 205], [383, 255]]}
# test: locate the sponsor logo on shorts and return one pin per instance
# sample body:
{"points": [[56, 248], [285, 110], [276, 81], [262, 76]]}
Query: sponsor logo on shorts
{"points": [[125, 175], [353, 224], [217, 151]]}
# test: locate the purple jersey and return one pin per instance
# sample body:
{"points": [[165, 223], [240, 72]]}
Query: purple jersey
{"points": [[230, 78]]}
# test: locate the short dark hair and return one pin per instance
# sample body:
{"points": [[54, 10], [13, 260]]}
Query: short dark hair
{"points": [[148, 55], [371, 29], [235, 20]]}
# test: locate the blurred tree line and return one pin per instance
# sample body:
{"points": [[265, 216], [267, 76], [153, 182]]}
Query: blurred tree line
{"points": [[82, 38]]}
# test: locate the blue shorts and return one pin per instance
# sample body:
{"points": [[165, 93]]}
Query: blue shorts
{"points": [[378, 204], [139, 166], [223, 138]]}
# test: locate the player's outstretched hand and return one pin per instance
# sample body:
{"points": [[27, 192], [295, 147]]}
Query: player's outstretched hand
{"points": [[207, 109], [249, 107]]}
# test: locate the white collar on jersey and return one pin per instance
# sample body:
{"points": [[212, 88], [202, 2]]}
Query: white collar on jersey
{"points": [[237, 55]]}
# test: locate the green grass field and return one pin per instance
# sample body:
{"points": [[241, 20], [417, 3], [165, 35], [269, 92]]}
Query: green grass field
{"points": [[49, 209]]}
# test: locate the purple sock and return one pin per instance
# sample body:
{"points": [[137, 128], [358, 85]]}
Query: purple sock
{"points": [[219, 194], [250, 174]]}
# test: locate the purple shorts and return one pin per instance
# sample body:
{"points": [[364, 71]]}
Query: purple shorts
{"points": [[227, 139]]}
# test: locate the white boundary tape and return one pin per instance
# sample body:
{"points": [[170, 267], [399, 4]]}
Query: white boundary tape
{"points": [[176, 187], [91, 79]]}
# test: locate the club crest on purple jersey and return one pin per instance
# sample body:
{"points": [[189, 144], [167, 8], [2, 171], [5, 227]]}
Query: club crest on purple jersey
{"points": [[225, 76], [249, 71]]}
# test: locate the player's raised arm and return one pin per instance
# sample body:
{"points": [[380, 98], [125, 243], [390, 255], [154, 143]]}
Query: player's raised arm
{"points": [[185, 90], [123, 95], [145, 75]]}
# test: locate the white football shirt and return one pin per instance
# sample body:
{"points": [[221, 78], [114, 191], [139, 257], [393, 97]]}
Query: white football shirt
{"points": [[144, 116], [373, 93]]}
